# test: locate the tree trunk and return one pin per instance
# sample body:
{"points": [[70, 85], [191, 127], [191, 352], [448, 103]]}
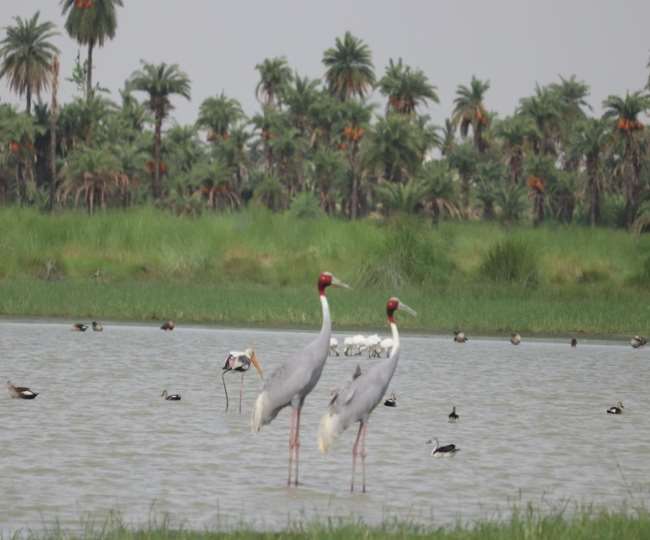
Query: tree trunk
{"points": [[89, 75], [50, 203], [594, 195], [156, 186], [538, 206], [464, 193], [28, 108]]}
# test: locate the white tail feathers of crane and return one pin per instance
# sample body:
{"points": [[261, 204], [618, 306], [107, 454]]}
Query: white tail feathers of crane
{"points": [[260, 412], [330, 428]]}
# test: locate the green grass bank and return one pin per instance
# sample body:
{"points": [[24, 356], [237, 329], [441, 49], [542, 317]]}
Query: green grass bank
{"points": [[527, 525], [259, 268]]}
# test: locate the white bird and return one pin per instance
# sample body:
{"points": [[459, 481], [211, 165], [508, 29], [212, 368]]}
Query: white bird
{"points": [[373, 344], [460, 337], [638, 341], [353, 345], [292, 382], [441, 451], [360, 397], [334, 347], [239, 361], [386, 345]]}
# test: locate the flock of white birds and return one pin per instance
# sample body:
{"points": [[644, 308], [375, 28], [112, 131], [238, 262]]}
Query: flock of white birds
{"points": [[374, 346]]}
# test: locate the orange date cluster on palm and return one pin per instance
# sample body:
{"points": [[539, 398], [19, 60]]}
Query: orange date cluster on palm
{"points": [[14, 147], [536, 184], [481, 117], [83, 4], [151, 167], [352, 133], [625, 124]]}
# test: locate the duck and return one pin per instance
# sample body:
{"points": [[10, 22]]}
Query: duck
{"points": [[439, 451], [20, 392], [616, 409], [391, 401], [638, 341], [515, 338], [170, 397], [97, 327], [168, 326], [574, 342], [79, 327], [460, 337], [452, 415]]}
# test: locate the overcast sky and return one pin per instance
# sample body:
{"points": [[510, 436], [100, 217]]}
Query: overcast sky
{"points": [[513, 43]]}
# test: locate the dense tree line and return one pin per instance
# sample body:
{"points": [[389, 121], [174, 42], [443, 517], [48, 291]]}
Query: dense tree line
{"points": [[316, 145]]}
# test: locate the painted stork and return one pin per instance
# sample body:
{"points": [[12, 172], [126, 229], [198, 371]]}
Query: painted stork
{"points": [[239, 361], [292, 382], [359, 398]]}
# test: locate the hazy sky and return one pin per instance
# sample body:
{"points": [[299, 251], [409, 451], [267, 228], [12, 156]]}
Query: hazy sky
{"points": [[513, 43]]}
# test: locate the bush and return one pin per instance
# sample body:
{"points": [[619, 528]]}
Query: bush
{"points": [[511, 261], [306, 206]]}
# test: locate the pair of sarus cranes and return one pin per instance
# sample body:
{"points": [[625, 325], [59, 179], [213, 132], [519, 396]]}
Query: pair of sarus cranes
{"points": [[291, 383]]}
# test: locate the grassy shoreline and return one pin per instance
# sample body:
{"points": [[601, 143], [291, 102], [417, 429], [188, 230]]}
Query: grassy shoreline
{"points": [[256, 269], [528, 524]]}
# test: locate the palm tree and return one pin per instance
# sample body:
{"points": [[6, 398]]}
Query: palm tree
{"points": [[469, 110], [349, 68], [515, 132], [275, 75], [628, 131], [441, 195], [406, 198], [90, 23], [27, 55], [300, 97], [545, 110], [464, 158], [218, 114], [405, 88], [160, 82], [590, 141], [572, 94]]}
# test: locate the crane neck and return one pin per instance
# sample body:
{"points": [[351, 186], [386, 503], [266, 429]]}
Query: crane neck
{"points": [[326, 328], [394, 353]]}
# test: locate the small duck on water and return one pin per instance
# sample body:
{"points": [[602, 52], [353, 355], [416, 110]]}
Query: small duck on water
{"points": [[20, 392], [168, 326], [617, 409], [440, 451], [452, 415], [391, 401], [515, 338], [170, 397], [79, 327], [574, 342], [460, 337], [97, 327], [638, 341]]}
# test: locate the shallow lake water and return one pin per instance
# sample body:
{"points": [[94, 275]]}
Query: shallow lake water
{"points": [[99, 437]]}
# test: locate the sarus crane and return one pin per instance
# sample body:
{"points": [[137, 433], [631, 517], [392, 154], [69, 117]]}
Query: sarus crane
{"points": [[292, 382], [239, 361], [359, 398]]}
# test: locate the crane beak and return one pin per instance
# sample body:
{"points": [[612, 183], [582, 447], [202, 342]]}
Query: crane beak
{"points": [[257, 365], [338, 283], [409, 310]]}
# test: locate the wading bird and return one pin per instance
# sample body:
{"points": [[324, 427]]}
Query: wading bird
{"points": [[292, 382], [170, 397], [617, 409], [97, 327], [359, 398], [439, 451], [460, 337], [239, 361], [79, 327], [334, 347], [452, 415], [515, 338], [168, 326], [20, 392]]}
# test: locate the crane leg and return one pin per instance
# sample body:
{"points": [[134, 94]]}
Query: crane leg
{"points": [[241, 390], [296, 445], [354, 455], [292, 430], [223, 380], [364, 427]]}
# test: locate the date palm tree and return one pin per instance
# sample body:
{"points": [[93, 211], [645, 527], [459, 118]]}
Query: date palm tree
{"points": [[406, 88], [275, 75], [27, 54], [590, 141], [469, 111], [160, 82], [514, 132], [628, 131], [91, 23], [545, 110], [218, 114], [349, 69]]}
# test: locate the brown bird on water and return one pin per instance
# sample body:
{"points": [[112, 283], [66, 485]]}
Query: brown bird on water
{"points": [[168, 326], [460, 337], [574, 342], [79, 327], [20, 392]]}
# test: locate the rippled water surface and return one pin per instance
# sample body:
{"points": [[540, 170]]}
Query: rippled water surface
{"points": [[99, 437]]}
